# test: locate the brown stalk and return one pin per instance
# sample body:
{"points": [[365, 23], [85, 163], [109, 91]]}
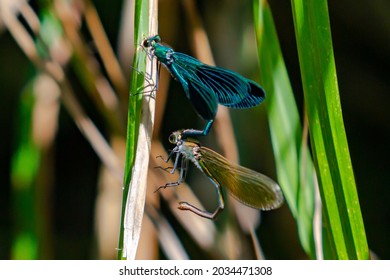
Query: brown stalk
{"points": [[110, 62]]}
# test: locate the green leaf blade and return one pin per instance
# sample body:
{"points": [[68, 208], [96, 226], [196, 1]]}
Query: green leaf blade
{"points": [[141, 28], [344, 223], [294, 166]]}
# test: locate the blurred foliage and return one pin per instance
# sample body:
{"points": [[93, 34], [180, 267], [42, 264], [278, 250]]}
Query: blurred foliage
{"points": [[360, 37]]}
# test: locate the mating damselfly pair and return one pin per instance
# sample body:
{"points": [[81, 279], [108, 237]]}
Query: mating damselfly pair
{"points": [[207, 86]]}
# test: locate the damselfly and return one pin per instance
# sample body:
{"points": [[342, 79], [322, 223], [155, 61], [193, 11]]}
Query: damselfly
{"points": [[206, 86], [247, 186]]}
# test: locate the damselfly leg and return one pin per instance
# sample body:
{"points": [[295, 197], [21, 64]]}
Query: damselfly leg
{"points": [[183, 172], [151, 86]]}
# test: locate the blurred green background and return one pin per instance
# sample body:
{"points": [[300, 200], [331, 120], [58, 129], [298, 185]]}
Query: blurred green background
{"points": [[361, 39]]}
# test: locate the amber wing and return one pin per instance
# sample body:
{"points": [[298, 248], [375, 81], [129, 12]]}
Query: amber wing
{"points": [[247, 186]]}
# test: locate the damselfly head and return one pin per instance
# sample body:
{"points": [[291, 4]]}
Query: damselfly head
{"points": [[149, 42], [179, 137], [175, 137]]}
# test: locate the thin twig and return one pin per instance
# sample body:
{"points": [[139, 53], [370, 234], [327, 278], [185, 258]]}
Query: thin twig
{"points": [[20, 34], [88, 67], [91, 133], [170, 242], [109, 60], [54, 70]]}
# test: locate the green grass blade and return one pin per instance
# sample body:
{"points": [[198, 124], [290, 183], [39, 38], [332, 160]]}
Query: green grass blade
{"points": [[24, 172], [342, 215], [294, 166], [135, 101], [139, 133], [137, 81]]}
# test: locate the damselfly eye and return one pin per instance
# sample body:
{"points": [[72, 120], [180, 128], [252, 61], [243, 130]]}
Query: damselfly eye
{"points": [[146, 43], [172, 138], [175, 137]]}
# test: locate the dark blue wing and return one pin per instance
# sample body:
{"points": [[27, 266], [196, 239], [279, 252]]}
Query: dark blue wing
{"points": [[231, 89], [202, 97]]}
